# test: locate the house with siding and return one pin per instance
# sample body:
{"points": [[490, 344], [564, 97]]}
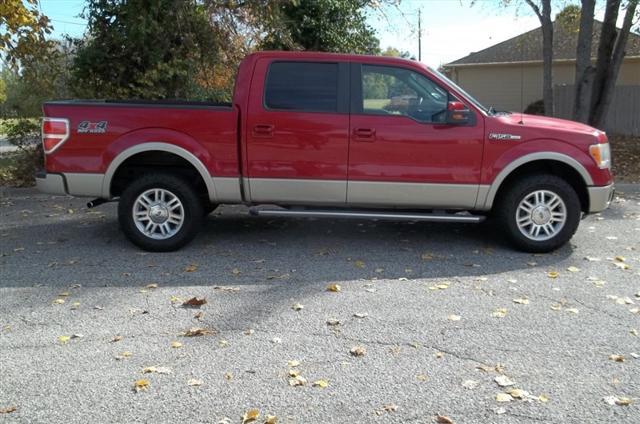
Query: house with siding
{"points": [[508, 75]]}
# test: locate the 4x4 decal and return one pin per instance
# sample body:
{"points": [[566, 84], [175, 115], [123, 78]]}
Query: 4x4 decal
{"points": [[86, 127]]}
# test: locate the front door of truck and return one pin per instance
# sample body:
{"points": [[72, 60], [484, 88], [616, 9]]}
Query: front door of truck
{"points": [[402, 153], [297, 133]]}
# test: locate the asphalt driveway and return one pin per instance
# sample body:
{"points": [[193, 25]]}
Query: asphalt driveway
{"points": [[429, 319]]}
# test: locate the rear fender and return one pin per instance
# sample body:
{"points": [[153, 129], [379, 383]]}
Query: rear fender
{"points": [[156, 139]]}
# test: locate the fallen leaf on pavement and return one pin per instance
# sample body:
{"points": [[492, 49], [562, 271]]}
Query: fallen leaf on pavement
{"points": [[321, 383], [517, 393], [116, 339], [158, 370], [293, 363], [123, 355], [573, 269], [250, 416], [333, 322], [443, 419], [616, 358], [359, 264], [276, 340], [197, 331], [334, 288], [176, 345], [297, 307], [553, 274], [58, 302], [8, 410], [271, 419], [297, 381], [358, 351], [194, 302], [614, 400], [521, 301], [194, 382], [361, 315], [392, 407], [454, 317], [191, 268], [499, 313], [573, 310], [140, 385], [151, 286], [503, 381], [503, 397], [64, 339]]}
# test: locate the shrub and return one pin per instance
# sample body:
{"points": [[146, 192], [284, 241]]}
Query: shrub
{"points": [[19, 167], [535, 108]]}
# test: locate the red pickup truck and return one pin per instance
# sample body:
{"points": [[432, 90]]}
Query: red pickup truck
{"points": [[328, 135]]}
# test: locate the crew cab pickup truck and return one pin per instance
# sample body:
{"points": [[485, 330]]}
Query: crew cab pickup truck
{"points": [[328, 135]]}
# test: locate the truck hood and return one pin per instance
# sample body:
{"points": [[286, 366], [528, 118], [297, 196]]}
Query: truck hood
{"points": [[545, 122], [533, 127]]}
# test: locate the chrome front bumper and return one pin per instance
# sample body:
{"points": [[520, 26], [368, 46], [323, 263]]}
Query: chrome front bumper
{"points": [[600, 197], [50, 183]]}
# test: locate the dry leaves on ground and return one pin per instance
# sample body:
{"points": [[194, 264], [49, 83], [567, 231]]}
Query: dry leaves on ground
{"points": [[197, 331], [140, 385], [358, 351], [443, 419], [334, 288], [250, 416], [8, 409], [195, 302]]}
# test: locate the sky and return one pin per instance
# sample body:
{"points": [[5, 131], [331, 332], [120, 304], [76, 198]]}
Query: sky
{"points": [[451, 29]]}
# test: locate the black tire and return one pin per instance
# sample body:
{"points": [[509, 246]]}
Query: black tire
{"points": [[507, 206], [192, 210], [208, 207]]}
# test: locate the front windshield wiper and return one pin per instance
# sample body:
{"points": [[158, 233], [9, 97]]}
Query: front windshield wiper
{"points": [[493, 112]]}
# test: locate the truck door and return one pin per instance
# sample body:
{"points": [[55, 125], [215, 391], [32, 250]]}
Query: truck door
{"points": [[297, 134], [401, 151]]}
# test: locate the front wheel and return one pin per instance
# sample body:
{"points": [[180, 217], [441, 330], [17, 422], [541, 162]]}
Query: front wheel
{"points": [[539, 213], [160, 212]]}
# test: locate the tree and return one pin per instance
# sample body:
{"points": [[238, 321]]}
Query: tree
{"points": [[24, 28], [584, 70], [151, 49], [322, 25], [610, 56], [595, 85], [542, 9]]}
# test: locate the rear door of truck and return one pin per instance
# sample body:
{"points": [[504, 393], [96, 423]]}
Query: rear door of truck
{"points": [[297, 132]]}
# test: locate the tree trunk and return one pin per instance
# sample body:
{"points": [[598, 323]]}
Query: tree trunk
{"points": [[584, 69], [605, 49], [599, 113], [544, 15]]}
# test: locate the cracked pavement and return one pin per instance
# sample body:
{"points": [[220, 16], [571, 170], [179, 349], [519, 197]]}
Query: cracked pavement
{"points": [[426, 294]]}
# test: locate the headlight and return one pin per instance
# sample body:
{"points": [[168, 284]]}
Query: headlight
{"points": [[601, 153]]}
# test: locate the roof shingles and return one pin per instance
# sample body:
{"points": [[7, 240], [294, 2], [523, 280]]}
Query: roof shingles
{"points": [[527, 47]]}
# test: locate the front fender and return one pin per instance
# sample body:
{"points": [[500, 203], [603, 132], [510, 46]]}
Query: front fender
{"points": [[510, 160]]}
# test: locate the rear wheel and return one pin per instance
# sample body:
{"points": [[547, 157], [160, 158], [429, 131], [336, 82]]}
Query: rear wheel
{"points": [[539, 213], [160, 212]]}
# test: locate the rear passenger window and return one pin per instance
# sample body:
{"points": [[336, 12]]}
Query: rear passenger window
{"points": [[307, 87]]}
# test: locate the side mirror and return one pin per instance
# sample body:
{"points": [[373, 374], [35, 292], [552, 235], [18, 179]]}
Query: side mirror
{"points": [[457, 113]]}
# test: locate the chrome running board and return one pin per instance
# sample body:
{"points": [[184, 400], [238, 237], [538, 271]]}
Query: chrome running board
{"points": [[362, 214]]}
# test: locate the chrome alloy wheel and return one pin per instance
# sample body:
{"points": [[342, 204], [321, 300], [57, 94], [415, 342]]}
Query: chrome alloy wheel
{"points": [[541, 215], [158, 213]]}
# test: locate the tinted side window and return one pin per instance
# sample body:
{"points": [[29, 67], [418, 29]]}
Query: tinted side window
{"points": [[309, 87], [395, 91]]}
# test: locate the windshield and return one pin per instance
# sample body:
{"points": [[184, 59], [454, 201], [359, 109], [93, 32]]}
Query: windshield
{"points": [[467, 95]]}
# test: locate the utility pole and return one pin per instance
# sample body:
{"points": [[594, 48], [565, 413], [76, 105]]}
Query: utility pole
{"points": [[419, 35]]}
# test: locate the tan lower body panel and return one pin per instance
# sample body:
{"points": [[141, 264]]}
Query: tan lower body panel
{"points": [[84, 184], [421, 195], [227, 189], [297, 191], [362, 193]]}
